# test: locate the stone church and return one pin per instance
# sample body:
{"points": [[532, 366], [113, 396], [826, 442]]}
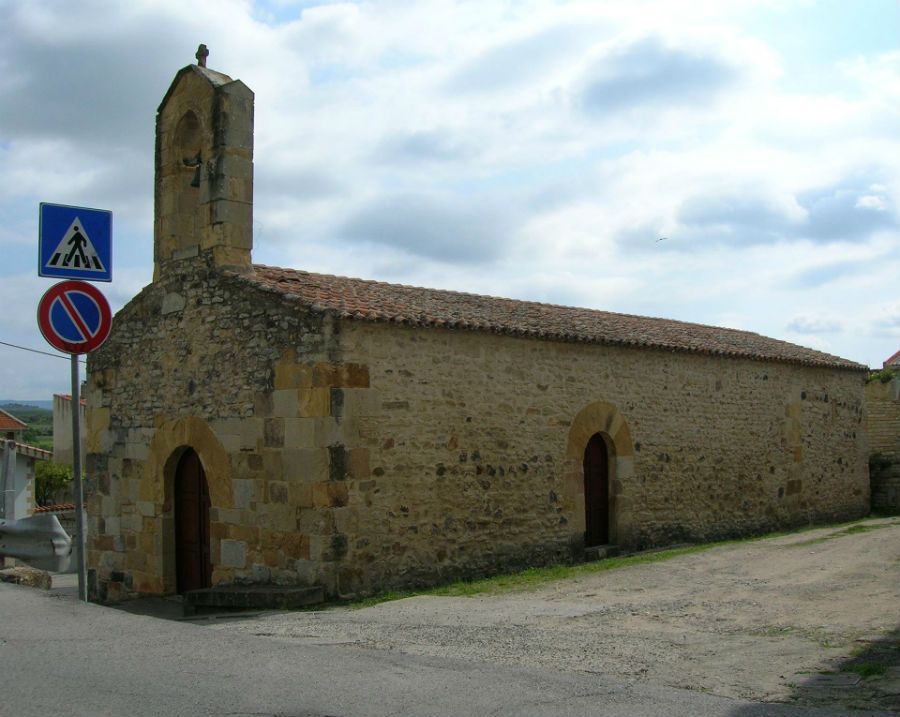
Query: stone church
{"points": [[256, 424]]}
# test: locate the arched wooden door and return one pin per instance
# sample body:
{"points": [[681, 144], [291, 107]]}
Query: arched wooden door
{"points": [[596, 492], [192, 566]]}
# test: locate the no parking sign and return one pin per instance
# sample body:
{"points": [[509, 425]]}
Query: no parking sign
{"points": [[74, 317]]}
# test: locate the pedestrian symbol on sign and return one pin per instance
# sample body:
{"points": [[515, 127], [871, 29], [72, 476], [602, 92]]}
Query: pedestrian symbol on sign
{"points": [[76, 251], [74, 242]]}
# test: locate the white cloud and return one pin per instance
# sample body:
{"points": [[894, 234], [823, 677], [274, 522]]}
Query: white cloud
{"points": [[650, 72], [449, 229], [871, 201], [532, 149], [814, 324], [880, 74]]}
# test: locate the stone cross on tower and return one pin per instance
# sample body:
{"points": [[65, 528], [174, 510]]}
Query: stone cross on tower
{"points": [[202, 54]]}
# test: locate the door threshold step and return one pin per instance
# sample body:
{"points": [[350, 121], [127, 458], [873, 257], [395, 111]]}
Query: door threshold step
{"points": [[599, 552], [251, 597]]}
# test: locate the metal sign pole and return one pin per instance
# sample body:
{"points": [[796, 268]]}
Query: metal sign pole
{"points": [[80, 527], [75, 243]]}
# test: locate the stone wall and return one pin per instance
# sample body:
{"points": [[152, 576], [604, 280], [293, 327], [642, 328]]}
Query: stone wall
{"points": [[364, 456], [192, 361], [883, 423], [476, 443]]}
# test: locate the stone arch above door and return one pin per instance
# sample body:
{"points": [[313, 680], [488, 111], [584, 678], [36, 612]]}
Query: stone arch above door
{"points": [[170, 440], [605, 419], [599, 417]]}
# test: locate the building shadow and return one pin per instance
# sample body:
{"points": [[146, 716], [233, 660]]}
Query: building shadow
{"points": [[868, 680]]}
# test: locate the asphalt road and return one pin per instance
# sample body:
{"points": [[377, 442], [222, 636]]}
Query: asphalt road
{"points": [[58, 656]]}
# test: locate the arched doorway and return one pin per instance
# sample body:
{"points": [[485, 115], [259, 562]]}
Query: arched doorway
{"points": [[614, 454], [192, 564], [596, 491]]}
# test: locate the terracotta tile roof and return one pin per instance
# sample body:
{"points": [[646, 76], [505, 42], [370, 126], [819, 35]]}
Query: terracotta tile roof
{"points": [[58, 508], [365, 300], [894, 360], [68, 397], [8, 422]]}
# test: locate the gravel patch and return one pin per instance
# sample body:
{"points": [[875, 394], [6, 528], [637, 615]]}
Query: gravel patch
{"points": [[782, 619]]}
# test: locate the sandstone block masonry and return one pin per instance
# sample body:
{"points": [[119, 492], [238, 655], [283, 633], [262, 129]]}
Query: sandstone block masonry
{"points": [[476, 450], [363, 456], [266, 425], [204, 170], [883, 425], [193, 363]]}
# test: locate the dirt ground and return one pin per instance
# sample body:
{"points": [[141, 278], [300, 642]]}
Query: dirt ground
{"points": [[810, 618]]}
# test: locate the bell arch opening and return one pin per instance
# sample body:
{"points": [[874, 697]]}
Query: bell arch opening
{"points": [[188, 158], [188, 138]]}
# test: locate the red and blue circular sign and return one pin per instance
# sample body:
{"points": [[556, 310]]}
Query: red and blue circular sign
{"points": [[74, 317]]}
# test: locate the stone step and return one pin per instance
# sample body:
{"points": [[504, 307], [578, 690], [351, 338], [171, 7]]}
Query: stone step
{"points": [[251, 597], [599, 552]]}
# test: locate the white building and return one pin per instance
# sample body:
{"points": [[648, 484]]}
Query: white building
{"points": [[62, 429], [17, 462]]}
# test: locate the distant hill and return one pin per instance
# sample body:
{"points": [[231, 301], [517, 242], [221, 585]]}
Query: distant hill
{"points": [[4, 402], [39, 419]]}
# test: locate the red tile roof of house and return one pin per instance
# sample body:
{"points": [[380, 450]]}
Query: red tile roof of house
{"points": [[364, 300], [894, 360], [58, 508], [8, 422], [68, 397]]}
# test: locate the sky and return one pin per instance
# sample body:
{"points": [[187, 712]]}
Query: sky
{"points": [[727, 163]]}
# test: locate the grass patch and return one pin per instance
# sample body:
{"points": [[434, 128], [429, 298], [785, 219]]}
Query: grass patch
{"points": [[774, 631], [854, 529], [535, 577], [531, 578], [867, 669]]}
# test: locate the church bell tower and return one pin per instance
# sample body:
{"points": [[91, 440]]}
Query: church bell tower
{"points": [[204, 170]]}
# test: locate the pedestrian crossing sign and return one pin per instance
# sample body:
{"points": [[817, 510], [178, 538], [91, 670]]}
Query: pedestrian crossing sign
{"points": [[75, 243]]}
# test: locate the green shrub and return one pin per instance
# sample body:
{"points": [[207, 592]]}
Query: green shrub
{"points": [[867, 669], [885, 375], [49, 478]]}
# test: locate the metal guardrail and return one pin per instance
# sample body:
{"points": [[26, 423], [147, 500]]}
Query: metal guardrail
{"points": [[38, 540]]}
